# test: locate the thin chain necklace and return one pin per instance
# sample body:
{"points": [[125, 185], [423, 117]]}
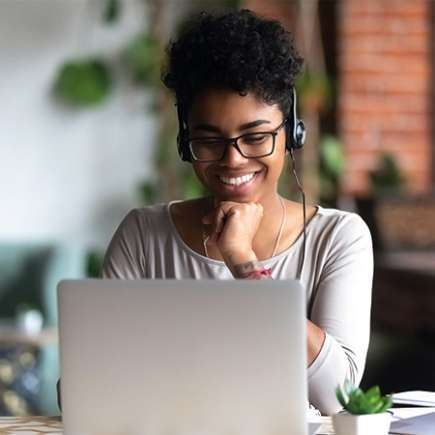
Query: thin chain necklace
{"points": [[205, 237]]}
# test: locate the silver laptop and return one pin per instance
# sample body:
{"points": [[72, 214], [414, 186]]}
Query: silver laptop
{"points": [[183, 357]]}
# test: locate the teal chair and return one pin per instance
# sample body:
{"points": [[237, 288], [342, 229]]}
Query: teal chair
{"points": [[29, 274]]}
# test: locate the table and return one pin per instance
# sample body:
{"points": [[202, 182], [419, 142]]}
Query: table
{"points": [[30, 425], [53, 425]]}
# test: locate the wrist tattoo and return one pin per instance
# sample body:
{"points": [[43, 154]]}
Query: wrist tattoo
{"points": [[251, 270]]}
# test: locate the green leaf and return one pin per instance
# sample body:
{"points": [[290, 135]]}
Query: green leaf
{"points": [[332, 155], [340, 396], [112, 11], [315, 88], [373, 394], [351, 390], [360, 402], [83, 82], [387, 403], [148, 192], [94, 264], [143, 57], [191, 186], [387, 176]]}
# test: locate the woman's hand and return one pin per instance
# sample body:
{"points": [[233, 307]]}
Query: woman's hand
{"points": [[233, 226]]}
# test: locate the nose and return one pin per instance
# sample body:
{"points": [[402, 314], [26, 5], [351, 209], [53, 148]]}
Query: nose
{"points": [[232, 156]]}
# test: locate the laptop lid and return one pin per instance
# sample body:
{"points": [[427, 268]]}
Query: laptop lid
{"points": [[177, 357]]}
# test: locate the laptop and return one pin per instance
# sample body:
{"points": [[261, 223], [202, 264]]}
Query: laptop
{"points": [[183, 357]]}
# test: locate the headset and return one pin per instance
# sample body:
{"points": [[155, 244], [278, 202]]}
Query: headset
{"points": [[295, 131]]}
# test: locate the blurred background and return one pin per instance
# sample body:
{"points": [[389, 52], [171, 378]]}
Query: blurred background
{"points": [[88, 132]]}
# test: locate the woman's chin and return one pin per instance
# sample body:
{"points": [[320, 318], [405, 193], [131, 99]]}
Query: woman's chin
{"points": [[236, 196]]}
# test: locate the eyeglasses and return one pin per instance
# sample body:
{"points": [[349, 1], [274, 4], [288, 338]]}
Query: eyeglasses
{"points": [[250, 145]]}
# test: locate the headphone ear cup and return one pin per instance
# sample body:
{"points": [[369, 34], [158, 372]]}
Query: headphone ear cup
{"points": [[299, 134], [295, 128], [294, 136]]}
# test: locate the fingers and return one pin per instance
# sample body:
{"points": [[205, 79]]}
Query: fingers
{"points": [[228, 211], [216, 220]]}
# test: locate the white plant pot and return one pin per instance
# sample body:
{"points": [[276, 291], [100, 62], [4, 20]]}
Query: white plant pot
{"points": [[373, 424]]}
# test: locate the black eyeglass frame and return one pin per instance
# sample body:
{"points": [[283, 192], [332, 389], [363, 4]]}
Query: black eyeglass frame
{"points": [[233, 141]]}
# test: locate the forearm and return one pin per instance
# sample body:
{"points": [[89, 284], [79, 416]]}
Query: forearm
{"points": [[241, 263], [315, 340], [244, 264]]}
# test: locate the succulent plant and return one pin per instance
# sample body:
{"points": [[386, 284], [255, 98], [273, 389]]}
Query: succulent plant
{"points": [[357, 402]]}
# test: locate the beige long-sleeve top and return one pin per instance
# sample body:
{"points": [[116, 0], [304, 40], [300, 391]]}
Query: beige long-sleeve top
{"points": [[337, 275]]}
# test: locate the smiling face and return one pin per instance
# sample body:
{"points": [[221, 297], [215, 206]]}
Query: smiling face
{"points": [[221, 113]]}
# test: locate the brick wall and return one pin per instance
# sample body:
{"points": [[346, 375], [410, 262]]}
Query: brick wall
{"points": [[280, 10], [384, 88]]}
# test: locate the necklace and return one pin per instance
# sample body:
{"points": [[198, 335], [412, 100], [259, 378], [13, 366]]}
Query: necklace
{"points": [[281, 227], [205, 237]]}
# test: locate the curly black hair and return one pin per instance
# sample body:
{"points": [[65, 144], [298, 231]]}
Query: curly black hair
{"points": [[236, 50]]}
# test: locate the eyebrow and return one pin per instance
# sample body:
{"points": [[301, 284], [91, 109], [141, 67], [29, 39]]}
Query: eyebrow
{"points": [[247, 126]]}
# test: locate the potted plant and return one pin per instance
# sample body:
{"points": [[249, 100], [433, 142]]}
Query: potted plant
{"points": [[364, 412]]}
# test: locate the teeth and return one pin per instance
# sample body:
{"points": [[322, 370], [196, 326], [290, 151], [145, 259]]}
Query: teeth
{"points": [[237, 181]]}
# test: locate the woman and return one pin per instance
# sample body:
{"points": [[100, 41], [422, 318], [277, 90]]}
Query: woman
{"points": [[233, 78]]}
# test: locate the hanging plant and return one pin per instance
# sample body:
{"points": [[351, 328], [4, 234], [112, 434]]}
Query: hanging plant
{"points": [[332, 163], [83, 82], [142, 58], [315, 91], [112, 11], [387, 177], [332, 156]]}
